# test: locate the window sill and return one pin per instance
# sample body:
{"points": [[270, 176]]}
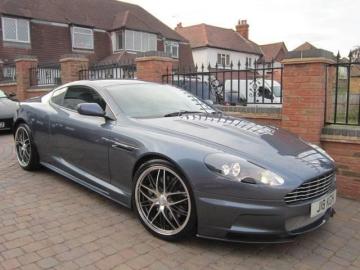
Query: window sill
{"points": [[83, 50], [21, 45]]}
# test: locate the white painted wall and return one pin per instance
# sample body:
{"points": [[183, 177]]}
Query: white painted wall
{"points": [[209, 55]]}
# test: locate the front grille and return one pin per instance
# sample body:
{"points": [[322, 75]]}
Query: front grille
{"points": [[312, 189]]}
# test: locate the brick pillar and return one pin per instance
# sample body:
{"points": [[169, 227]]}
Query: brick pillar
{"points": [[70, 67], [304, 84], [23, 66], [153, 68], [1, 69]]}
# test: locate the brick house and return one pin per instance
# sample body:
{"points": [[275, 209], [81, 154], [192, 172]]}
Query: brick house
{"points": [[215, 45], [104, 30], [273, 53]]}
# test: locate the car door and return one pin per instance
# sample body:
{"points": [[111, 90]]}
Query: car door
{"points": [[79, 147]]}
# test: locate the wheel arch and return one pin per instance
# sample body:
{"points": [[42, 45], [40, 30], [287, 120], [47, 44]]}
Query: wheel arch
{"points": [[17, 123], [151, 156]]}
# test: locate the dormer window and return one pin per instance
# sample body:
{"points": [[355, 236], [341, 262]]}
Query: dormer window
{"points": [[172, 48], [82, 38], [16, 30], [134, 41]]}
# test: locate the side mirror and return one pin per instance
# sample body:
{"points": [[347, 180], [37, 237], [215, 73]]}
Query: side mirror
{"points": [[11, 95], [91, 109]]}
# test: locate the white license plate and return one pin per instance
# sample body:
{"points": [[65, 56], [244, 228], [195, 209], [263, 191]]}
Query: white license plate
{"points": [[2, 124], [320, 206]]}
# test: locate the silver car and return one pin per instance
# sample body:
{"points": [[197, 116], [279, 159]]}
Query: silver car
{"points": [[183, 166], [8, 107]]}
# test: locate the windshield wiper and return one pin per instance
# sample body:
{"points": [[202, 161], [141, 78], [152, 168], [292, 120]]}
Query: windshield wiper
{"points": [[179, 113]]}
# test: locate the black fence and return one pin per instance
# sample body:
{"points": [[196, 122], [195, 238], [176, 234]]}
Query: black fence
{"points": [[45, 75], [8, 73], [110, 71], [231, 85], [343, 93]]}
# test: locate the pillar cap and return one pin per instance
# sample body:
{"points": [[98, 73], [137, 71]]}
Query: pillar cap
{"points": [[26, 58], [307, 60], [73, 57]]}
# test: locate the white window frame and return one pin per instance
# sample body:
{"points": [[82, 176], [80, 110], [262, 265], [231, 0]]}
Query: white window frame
{"points": [[73, 30], [145, 37], [172, 44], [16, 22], [225, 57]]}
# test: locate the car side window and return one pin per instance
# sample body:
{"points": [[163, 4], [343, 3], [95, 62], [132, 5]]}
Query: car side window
{"points": [[78, 94], [58, 96]]}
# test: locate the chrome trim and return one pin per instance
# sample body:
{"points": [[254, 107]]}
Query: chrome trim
{"points": [[312, 189], [119, 145]]}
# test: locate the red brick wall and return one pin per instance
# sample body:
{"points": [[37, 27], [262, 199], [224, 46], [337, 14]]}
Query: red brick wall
{"points": [[347, 157], [8, 88], [49, 43], [304, 99]]}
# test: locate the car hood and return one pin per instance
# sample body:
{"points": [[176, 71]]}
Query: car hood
{"points": [[269, 147], [7, 108]]}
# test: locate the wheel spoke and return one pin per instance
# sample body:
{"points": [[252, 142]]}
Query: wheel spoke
{"points": [[164, 185], [157, 214], [149, 189], [151, 208], [173, 216], [167, 220], [146, 196], [176, 193], [157, 181], [179, 201]]}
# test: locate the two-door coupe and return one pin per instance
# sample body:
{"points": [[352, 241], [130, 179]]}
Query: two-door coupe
{"points": [[184, 166]]}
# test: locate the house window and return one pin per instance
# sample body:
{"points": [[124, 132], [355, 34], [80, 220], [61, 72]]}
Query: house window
{"points": [[172, 48], [135, 41], [82, 38], [249, 61], [223, 59], [16, 30]]}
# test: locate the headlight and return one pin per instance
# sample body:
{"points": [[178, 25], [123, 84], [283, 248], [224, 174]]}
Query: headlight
{"points": [[321, 151], [240, 170]]}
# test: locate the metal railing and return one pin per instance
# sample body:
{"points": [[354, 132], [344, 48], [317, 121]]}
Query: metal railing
{"points": [[343, 92], [45, 75], [232, 84], [110, 71], [8, 74]]}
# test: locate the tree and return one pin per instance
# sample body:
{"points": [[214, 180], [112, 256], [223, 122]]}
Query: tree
{"points": [[355, 54]]}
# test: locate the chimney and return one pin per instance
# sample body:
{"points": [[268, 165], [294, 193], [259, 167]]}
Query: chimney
{"points": [[178, 26], [243, 28]]}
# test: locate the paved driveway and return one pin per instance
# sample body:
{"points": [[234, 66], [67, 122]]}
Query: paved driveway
{"points": [[47, 221]]}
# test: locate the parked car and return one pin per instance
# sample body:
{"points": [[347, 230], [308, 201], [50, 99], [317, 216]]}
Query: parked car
{"points": [[258, 91], [8, 106], [184, 167]]}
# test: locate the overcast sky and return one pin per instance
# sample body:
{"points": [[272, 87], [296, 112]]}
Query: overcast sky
{"points": [[329, 24]]}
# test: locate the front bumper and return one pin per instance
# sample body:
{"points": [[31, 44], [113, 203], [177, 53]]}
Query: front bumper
{"points": [[6, 124], [238, 220]]}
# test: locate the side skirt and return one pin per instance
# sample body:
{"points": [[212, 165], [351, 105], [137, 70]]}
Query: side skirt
{"points": [[110, 194]]}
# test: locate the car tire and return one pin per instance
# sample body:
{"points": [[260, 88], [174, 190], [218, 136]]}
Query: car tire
{"points": [[171, 214], [25, 148]]}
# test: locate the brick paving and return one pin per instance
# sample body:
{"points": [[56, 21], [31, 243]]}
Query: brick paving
{"points": [[48, 222]]}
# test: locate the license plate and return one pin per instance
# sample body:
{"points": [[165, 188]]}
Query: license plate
{"points": [[2, 124], [320, 206]]}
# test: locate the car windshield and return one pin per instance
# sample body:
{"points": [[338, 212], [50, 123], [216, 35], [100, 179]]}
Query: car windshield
{"points": [[154, 100], [2, 94]]}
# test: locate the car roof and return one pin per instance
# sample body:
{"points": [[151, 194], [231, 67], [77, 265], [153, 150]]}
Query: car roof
{"points": [[106, 83]]}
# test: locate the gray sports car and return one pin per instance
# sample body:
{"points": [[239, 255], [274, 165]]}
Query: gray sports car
{"points": [[182, 165], [8, 108]]}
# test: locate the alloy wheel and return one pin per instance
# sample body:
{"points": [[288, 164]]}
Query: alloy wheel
{"points": [[163, 200], [23, 146]]}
